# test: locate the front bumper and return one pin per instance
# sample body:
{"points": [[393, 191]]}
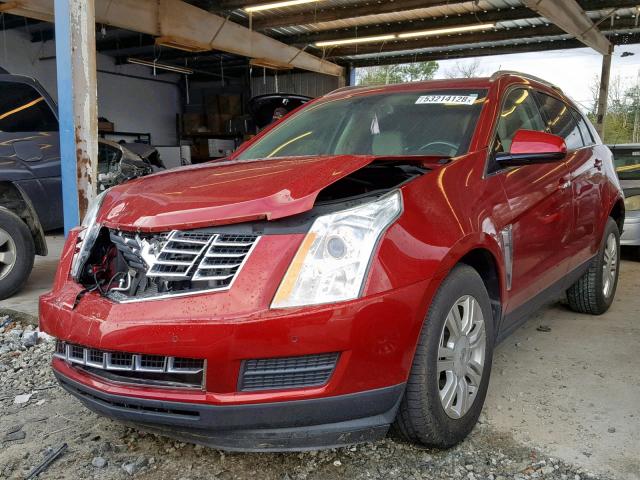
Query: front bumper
{"points": [[277, 426], [375, 337], [631, 232]]}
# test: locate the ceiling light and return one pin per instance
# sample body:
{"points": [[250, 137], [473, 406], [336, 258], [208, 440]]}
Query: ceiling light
{"points": [[445, 31], [270, 6], [351, 41], [393, 36], [160, 66]]}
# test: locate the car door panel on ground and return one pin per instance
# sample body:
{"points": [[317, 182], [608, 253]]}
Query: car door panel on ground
{"points": [[29, 145], [540, 201], [585, 176]]}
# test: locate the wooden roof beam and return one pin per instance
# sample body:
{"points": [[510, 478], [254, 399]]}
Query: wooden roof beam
{"points": [[570, 16], [185, 23]]}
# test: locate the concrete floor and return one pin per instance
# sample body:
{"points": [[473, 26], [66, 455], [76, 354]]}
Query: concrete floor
{"points": [[573, 391]]}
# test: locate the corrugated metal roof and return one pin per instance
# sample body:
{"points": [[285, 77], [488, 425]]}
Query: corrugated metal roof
{"points": [[402, 18], [488, 45], [399, 16]]}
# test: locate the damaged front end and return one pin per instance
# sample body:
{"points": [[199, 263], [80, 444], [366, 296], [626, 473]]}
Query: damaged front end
{"points": [[128, 266], [125, 266]]}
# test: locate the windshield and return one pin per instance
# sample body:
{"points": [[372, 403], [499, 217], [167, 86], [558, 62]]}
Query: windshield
{"points": [[387, 124], [627, 164]]}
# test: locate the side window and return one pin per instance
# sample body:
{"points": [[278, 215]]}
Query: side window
{"points": [[519, 111], [23, 109], [584, 129], [107, 157], [560, 120]]}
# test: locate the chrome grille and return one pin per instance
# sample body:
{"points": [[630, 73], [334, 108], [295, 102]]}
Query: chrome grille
{"points": [[137, 368], [179, 253], [178, 262], [224, 257]]}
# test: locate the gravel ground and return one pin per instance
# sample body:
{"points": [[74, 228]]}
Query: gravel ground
{"points": [[38, 417]]}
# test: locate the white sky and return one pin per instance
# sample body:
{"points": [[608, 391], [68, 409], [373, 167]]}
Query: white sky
{"points": [[572, 70]]}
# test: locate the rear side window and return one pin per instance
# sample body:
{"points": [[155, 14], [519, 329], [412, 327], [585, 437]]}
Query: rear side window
{"points": [[519, 111], [584, 130], [23, 109], [560, 120]]}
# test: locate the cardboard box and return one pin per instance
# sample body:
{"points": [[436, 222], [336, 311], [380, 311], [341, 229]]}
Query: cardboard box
{"points": [[218, 123], [230, 105], [105, 126], [193, 122], [220, 147]]}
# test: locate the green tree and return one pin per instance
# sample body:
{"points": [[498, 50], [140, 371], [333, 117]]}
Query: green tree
{"points": [[400, 73], [622, 121]]}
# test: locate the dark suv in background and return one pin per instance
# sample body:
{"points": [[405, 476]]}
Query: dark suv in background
{"points": [[30, 182], [30, 185]]}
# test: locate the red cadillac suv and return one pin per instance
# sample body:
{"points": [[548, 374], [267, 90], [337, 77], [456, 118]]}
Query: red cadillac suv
{"points": [[349, 269]]}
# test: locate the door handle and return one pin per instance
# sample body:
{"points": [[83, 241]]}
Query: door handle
{"points": [[564, 184], [598, 164]]}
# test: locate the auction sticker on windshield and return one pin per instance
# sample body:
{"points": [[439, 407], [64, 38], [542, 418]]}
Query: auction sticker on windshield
{"points": [[447, 99]]}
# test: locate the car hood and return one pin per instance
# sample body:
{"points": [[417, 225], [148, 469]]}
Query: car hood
{"points": [[224, 192]]}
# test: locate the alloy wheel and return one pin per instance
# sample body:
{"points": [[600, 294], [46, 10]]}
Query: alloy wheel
{"points": [[8, 254], [461, 356], [609, 265]]}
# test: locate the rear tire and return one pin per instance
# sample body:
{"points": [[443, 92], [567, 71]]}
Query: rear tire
{"points": [[17, 253], [594, 292], [429, 413]]}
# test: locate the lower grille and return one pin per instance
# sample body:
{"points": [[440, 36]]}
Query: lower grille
{"points": [[287, 372], [139, 369]]}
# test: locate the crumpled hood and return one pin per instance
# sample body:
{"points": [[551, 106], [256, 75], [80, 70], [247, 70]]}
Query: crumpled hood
{"points": [[229, 192]]}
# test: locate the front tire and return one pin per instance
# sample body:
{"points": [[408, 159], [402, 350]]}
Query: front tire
{"points": [[448, 382], [17, 253], [594, 292]]}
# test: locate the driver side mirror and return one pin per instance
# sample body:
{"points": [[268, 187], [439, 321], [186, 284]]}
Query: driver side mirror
{"points": [[530, 147]]}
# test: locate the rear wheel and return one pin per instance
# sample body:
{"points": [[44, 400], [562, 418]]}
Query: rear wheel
{"points": [[17, 253], [594, 292], [451, 367]]}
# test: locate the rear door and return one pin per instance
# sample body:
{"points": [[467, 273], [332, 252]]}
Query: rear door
{"points": [[539, 225], [29, 140], [585, 175]]}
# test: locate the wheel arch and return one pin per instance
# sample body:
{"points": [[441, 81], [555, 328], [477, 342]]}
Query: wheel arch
{"points": [[14, 199], [617, 212], [483, 253], [485, 263]]}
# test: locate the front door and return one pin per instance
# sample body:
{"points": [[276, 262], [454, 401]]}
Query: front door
{"points": [[538, 227], [585, 175]]}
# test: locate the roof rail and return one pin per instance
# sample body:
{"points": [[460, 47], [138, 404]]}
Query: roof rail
{"points": [[502, 73], [345, 89]]}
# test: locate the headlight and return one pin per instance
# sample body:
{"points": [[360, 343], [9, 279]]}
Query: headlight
{"points": [[632, 203], [332, 261], [88, 236]]}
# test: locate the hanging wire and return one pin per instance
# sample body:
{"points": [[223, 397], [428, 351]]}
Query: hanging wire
{"points": [[221, 71], [4, 38]]}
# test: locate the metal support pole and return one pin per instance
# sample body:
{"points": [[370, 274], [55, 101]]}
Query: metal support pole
{"points": [[603, 94], [77, 105]]}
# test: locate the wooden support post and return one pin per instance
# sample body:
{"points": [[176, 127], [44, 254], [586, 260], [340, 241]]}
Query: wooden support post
{"points": [[603, 94], [77, 105]]}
